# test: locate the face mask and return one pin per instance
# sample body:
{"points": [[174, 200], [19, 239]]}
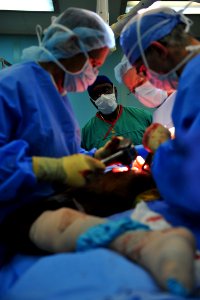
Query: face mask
{"points": [[73, 82], [150, 96], [165, 82], [106, 103], [169, 80], [79, 82]]}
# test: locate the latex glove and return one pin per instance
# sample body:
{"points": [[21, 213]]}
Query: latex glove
{"points": [[73, 170], [154, 136], [109, 148]]}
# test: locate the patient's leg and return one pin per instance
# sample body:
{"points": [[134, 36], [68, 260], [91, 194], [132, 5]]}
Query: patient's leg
{"points": [[58, 230], [167, 254]]}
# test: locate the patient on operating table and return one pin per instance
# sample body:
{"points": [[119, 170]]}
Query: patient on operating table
{"points": [[167, 254]]}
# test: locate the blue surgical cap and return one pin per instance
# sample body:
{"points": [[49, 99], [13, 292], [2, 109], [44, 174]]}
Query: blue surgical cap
{"points": [[85, 31], [122, 68], [101, 79], [154, 25]]}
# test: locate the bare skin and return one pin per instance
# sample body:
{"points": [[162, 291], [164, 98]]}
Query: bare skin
{"points": [[75, 63], [132, 79], [166, 254], [163, 59]]}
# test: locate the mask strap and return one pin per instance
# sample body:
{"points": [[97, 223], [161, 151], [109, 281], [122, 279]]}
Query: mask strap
{"points": [[176, 67], [113, 89], [139, 36], [187, 5], [92, 100], [184, 19], [103, 94], [66, 29], [62, 27], [192, 48], [39, 33]]}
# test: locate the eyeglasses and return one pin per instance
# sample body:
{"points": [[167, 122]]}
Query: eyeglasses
{"points": [[139, 66], [103, 90]]}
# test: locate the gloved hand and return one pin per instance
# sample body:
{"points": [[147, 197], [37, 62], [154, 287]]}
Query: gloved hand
{"points": [[154, 136], [109, 148], [73, 170]]}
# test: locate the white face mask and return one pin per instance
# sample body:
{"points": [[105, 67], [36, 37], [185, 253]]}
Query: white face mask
{"points": [[149, 95], [106, 103]]}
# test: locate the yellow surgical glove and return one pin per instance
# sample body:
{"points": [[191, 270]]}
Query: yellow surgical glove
{"points": [[109, 148], [73, 170]]}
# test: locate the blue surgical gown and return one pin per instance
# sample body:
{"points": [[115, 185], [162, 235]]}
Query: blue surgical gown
{"points": [[35, 120], [176, 164]]}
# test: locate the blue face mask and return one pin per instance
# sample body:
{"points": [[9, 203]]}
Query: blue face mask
{"points": [[79, 82], [165, 82], [169, 80]]}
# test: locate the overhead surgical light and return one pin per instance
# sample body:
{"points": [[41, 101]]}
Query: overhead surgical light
{"points": [[123, 19], [102, 10], [27, 5], [194, 8]]}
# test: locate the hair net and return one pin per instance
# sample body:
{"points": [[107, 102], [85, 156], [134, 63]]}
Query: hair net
{"points": [[100, 80], [154, 25], [75, 30], [122, 68]]}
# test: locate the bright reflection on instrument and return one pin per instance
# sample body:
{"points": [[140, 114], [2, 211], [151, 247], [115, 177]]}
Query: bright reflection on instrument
{"points": [[138, 163], [172, 131], [120, 169]]}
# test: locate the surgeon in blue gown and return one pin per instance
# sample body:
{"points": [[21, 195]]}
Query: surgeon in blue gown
{"points": [[160, 40], [36, 117], [37, 120], [37, 124], [27, 160]]}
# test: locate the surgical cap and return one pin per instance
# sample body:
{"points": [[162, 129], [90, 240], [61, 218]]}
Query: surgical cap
{"points": [[101, 79], [86, 31], [122, 68], [154, 25]]}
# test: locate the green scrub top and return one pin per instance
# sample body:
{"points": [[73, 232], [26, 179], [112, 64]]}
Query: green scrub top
{"points": [[131, 123]]}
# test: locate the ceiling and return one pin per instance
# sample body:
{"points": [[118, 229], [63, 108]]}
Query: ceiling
{"points": [[23, 23], [13, 22]]}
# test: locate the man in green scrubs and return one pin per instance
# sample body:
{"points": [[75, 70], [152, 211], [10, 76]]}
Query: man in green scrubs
{"points": [[112, 119]]}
